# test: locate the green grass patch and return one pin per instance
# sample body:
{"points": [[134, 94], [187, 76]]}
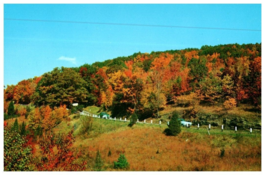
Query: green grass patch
{"points": [[93, 109]]}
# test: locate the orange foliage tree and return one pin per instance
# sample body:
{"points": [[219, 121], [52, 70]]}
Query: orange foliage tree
{"points": [[56, 153]]}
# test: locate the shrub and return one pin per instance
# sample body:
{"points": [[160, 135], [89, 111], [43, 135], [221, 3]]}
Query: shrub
{"points": [[86, 124], [109, 153], [98, 162], [229, 104], [6, 116], [133, 119], [121, 163], [222, 153]]}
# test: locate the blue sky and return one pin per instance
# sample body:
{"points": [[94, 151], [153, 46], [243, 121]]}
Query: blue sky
{"points": [[33, 48]]}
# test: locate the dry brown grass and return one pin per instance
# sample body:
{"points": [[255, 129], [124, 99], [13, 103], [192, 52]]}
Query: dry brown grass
{"points": [[186, 152]]}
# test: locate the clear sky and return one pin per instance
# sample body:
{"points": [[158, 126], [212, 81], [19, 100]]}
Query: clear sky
{"points": [[32, 48]]}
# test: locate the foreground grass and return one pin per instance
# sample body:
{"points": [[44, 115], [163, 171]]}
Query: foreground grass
{"points": [[148, 149]]}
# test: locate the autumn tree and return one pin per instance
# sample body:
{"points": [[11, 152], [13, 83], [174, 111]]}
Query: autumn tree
{"points": [[156, 98], [9, 92], [210, 89], [17, 155], [61, 160], [60, 86], [23, 91]]}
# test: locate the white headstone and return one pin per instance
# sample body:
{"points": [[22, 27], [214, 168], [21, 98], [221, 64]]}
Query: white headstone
{"points": [[209, 126], [125, 119], [160, 122], [145, 121], [235, 128], [151, 121], [198, 125], [222, 127], [137, 120], [250, 130], [120, 118], [115, 118], [168, 123]]}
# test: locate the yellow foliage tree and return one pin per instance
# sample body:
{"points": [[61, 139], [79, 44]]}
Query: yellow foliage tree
{"points": [[229, 104]]}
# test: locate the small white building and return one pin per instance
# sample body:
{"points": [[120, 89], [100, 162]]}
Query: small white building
{"points": [[74, 104]]}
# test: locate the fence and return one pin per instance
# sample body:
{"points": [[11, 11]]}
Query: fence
{"points": [[197, 129]]}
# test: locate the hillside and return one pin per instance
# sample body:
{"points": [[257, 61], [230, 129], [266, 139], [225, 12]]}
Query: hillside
{"points": [[211, 86], [214, 83]]}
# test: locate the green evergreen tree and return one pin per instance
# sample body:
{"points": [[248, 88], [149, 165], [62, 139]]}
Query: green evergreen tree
{"points": [[121, 163], [11, 109], [23, 129], [15, 126], [98, 162], [174, 125]]}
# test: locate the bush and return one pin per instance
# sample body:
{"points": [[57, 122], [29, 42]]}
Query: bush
{"points": [[133, 119], [86, 124], [121, 163], [80, 107], [98, 162], [6, 116]]}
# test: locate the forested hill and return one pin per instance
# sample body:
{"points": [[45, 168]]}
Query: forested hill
{"points": [[225, 75]]}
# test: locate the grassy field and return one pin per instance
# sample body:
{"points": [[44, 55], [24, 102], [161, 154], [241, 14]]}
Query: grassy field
{"points": [[148, 149]]}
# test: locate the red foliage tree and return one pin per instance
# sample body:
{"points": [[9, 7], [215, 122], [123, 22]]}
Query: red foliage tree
{"points": [[57, 154]]}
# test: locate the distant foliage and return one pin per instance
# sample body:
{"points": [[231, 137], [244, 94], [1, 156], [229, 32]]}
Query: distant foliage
{"points": [[148, 82]]}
